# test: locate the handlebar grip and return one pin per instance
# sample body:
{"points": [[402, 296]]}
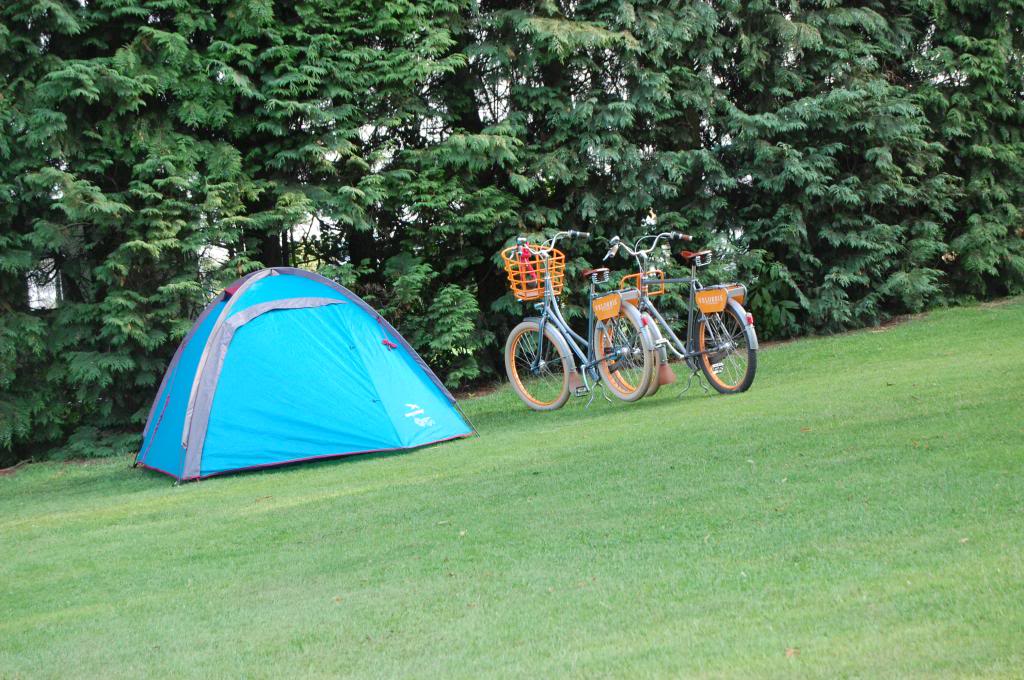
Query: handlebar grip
{"points": [[680, 236], [578, 234]]}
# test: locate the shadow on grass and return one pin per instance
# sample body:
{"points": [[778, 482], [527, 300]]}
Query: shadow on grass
{"points": [[288, 468], [501, 405]]}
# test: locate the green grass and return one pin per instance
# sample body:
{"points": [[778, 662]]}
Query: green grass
{"points": [[862, 504]]}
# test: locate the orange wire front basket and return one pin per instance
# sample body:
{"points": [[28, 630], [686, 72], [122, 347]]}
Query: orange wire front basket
{"points": [[526, 270]]}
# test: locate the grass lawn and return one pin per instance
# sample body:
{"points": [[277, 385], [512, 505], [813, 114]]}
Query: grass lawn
{"points": [[859, 512]]}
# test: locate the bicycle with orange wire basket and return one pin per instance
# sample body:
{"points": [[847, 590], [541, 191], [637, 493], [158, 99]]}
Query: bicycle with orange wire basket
{"points": [[720, 338], [546, 360]]}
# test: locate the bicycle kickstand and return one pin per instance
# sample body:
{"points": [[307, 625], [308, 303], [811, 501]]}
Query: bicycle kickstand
{"points": [[593, 392], [689, 380]]}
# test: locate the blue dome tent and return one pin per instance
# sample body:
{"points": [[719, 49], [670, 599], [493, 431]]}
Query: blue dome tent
{"points": [[285, 366]]}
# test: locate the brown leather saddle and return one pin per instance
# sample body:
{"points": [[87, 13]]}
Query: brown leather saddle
{"points": [[689, 255], [587, 273]]}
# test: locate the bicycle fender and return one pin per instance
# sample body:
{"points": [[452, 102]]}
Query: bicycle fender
{"points": [[748, 327], [560, 339]]}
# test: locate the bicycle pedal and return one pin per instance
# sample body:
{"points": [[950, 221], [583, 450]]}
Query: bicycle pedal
{"points": [[581, 391], [717, 368]]}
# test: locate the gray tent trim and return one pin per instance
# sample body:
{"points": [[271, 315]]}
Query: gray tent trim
{"points": [[247, 281], [211, 373], [177, 356]]}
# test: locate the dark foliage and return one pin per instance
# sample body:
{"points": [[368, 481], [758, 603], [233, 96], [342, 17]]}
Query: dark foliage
{"points": [[852, 160]]}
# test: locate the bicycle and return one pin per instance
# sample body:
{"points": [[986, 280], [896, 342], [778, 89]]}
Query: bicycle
{"points": [[720, 338], [546, 360]]}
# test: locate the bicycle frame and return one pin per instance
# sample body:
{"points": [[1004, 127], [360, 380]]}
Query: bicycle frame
{"points": [[687, 350], [582, 348], [585, 363]]}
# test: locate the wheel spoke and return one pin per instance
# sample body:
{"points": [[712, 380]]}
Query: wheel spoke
{"points": [[545, 385], [725, 347], [621, 346]]}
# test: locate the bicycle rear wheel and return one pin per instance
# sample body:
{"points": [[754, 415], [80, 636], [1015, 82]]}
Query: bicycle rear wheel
{"points": [[726, 358], [539, 371], [627, 357]]}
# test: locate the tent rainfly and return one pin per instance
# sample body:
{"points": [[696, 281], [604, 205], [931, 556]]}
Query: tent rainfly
{"points": [[286, 366]]}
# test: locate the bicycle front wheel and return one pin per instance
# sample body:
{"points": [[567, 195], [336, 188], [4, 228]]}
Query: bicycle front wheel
{"points": [[627, 360], [726, 358], [537, 367], [652, 327]]}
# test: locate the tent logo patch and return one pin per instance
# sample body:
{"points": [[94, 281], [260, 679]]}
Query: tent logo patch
{"points": [[415, 410]]}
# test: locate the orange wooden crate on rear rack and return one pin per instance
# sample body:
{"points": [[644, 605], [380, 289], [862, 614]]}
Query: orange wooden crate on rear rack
{"points": [[526, 270], [652, 289]]}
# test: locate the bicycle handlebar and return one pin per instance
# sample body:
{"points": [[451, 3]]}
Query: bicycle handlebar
{"points": [[614, 243], [670, 235], [524, 242], [636, 251], [613, 248]]}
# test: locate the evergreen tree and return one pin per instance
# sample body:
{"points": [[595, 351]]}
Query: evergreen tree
{"points": [[854, 160], [105, 200], [973, 58], [840, 195], [149, 133]]}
